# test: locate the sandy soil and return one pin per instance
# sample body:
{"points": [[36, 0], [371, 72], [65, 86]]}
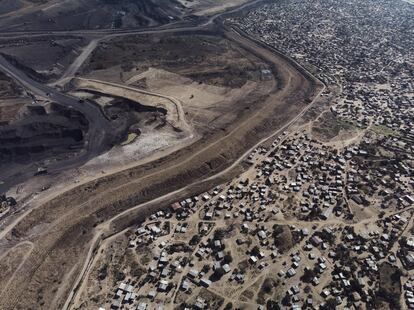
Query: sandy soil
{"points": [[143, 147]]}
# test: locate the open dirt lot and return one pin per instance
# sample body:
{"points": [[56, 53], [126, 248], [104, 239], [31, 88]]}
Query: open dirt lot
{"points": [[63, 229], [204, 58], [328, 127]]}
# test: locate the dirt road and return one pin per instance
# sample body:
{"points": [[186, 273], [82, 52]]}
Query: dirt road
{"points": [[79, 61]]}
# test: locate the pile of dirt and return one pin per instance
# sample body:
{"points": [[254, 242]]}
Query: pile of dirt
{"points": [[134, 114]]}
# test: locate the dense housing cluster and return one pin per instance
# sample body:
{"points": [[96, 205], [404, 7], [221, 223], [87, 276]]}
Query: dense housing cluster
{"points": [[365, 46], [307, 226]]}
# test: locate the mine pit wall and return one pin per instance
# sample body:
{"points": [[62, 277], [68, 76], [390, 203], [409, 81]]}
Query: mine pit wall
{"points": [[60, 250]]}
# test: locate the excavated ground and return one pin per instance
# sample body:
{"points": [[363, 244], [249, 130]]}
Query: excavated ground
{"points": [[34, 136]]}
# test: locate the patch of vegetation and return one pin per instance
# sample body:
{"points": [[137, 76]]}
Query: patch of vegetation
{"points": [[389, 285], [229, 306], [217, 275], [195, 240], [243, 265], [266, 289], [119, 275], [384, 130], [136, 270], [283, 238], [228, 258], [328, 126], [103, 272]]}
